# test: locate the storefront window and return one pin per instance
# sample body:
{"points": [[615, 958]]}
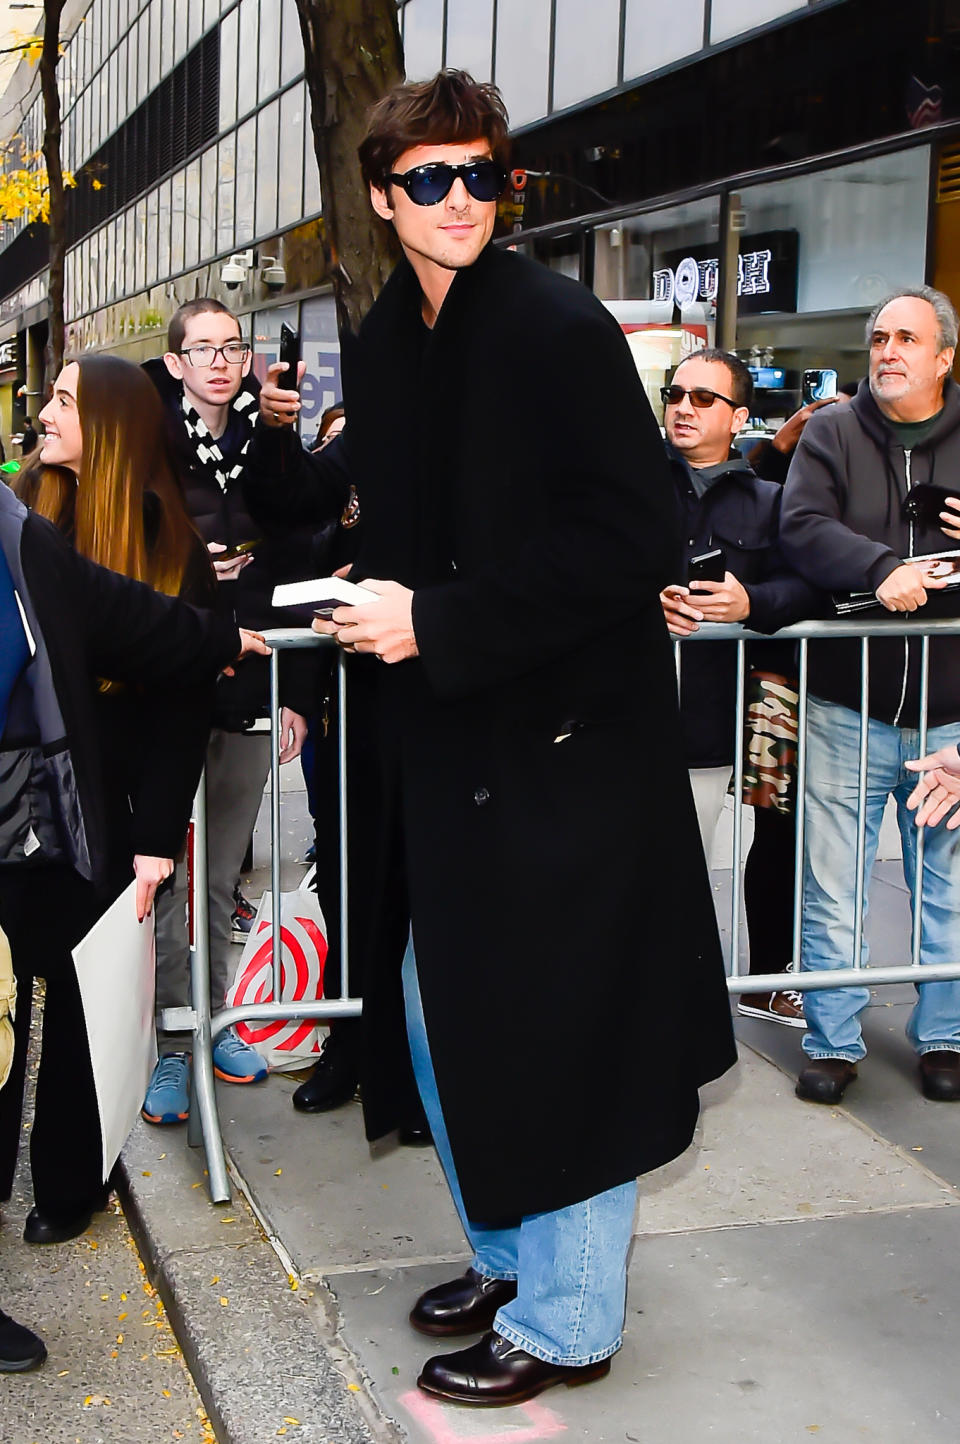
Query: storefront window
{"points": [[523, 33], [470, 36], [648, 43], [659, 275], [586, 50], [422, 37], [320, 345]]}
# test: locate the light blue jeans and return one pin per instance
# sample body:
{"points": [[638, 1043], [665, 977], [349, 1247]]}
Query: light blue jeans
{"points": [[570, 1265], [829, 881]]}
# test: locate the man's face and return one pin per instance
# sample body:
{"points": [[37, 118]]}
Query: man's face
{"points": [[907, 366], [215, 384], [703, 435], [62, 444], [450, 234]]}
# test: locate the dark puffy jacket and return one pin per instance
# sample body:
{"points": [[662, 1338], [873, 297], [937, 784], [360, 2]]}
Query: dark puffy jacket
{"points": [[739, 513], [842, 527], [284, 554]]}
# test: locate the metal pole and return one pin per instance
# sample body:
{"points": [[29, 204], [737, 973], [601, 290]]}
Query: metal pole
{"points": [[204, 1120], [344, 881], [861, 802], [737, 876], [275, 897], [801, 807], [916, 936]]}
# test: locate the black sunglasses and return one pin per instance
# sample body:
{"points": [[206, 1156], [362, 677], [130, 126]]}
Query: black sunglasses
{"points": [[700, 396], [426, 185]]}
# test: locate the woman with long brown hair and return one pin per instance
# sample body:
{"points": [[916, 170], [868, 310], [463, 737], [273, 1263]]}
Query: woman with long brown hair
{"points": [[103, 477]]}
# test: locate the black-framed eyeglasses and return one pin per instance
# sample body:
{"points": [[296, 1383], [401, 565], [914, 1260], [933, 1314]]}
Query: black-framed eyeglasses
{"points": [[700, 396], [426, 185], [233, 352]]}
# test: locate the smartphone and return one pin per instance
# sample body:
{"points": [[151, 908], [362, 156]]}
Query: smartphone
{"points": [[924, 502], [290, 354], [819, 385], [707, 567], [240, 550]]}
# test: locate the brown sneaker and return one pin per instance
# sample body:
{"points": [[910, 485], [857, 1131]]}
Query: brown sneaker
{"points": [[785, 1007]]}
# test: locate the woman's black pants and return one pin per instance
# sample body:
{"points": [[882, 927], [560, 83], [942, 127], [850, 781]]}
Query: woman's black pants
{"points": [[45, 911]]}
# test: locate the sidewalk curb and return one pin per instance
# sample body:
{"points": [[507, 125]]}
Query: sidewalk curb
{"points": [[265, 1356]]}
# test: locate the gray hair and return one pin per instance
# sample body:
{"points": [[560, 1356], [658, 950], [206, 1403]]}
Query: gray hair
{"points": [[947, 320]]}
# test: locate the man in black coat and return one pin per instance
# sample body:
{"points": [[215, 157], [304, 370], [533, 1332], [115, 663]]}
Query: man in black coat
{"points": [[64, 623], [517, 526]]}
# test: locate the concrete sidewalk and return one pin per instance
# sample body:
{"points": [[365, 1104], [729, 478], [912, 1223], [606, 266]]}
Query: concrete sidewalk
{"points": [[796, 1274]]}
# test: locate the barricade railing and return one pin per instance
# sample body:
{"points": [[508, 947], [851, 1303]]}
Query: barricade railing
{"points": [[204, 1124], [857, 975]]}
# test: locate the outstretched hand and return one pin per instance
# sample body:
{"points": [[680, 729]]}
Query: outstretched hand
{"points": [[384, 628], [938, 789]]}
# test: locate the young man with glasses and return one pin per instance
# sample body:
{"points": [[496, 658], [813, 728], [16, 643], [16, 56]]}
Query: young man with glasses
{"points": [[727, 511], [211, 401], [515, 520]]}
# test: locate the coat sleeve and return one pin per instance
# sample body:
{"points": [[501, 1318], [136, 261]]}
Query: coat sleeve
{"points": [[814, 539], [602, 552], [282, 483]]}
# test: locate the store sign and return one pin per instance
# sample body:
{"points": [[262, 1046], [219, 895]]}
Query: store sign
{"points": [[766, 274], [8, 353]]}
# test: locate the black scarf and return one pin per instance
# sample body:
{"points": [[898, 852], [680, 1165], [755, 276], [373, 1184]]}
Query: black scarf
{"points": [[206, 449]]}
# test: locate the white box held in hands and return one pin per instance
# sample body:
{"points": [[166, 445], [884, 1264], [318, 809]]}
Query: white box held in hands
{"points": [[324, 595]]}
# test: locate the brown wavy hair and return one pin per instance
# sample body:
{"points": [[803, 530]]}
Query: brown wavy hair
{"points": [[127, 481], [50, 491], [449, 108]]}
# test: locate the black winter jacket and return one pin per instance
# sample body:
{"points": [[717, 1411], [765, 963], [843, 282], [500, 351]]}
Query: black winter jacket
{"points": [[842, 527], [739, 513]]}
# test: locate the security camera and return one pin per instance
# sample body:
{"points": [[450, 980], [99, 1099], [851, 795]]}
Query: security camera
{"points": [[272, 274], [233, 274]]}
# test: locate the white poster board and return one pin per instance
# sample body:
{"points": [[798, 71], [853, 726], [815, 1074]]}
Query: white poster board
{"points": [[116, 965]]}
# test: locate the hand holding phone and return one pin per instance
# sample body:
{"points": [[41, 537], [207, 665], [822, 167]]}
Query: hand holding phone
{"points": [[290, 356]]}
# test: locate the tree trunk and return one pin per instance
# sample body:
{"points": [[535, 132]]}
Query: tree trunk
{"points": [[49, 59], [352, 56]]}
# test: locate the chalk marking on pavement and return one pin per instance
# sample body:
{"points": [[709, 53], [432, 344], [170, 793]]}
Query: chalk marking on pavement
{"points": [[437, 1419]]}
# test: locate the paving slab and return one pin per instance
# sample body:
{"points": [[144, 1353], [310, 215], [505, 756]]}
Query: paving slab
{"points": [[836, 1330]]}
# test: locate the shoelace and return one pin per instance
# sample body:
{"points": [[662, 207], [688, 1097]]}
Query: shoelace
{"points": [[169, 1069], [230, 1044], [792, 996]]}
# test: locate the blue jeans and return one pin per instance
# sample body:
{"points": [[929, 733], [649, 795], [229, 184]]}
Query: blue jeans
{"points": [[570, 1265], [829, 880]]}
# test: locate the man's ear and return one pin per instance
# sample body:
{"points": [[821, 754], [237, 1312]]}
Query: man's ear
{"points": [[173, 364], [945, 362], [380, 203], [739, 419]]}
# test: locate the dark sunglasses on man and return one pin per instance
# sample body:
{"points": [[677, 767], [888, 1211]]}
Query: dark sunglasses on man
{"points": [[700, 396], [427, 185]]}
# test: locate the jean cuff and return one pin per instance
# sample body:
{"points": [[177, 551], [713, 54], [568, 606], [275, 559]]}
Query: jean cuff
{"points": [[820, 1056], [922, 1048], [500, 1275], [565, 1361]]}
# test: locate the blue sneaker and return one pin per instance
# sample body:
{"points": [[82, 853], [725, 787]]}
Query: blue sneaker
{"points": [[235, 1061], [168, 1096]]}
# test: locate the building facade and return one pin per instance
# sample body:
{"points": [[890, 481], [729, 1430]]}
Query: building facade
{"points": [[751, 173]]}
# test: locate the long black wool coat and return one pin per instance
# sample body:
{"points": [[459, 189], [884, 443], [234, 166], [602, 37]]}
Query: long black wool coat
{"points": [[510, 471]]}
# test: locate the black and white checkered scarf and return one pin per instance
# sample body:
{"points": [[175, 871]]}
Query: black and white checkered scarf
{"points": [[209, 456]]}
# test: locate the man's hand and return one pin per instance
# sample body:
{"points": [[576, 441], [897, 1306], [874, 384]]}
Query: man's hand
{"points": [[293, 734], [384, 628], [681, 617], [150, 872], [951, 518], [905, 589], [228, 571], [279, 407], [788, 437], [250, 643], [726, 601], [938, 790]]}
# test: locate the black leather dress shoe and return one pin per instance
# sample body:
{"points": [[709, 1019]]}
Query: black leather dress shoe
{"points": [[333, 1081], [940, 1075], [41, 1229], [463, 1306], [825, 1080], [494, 1371], [20, 1349]]}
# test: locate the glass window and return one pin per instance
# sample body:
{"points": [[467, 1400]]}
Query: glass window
{"points": [[120, 259], [211, 12], [267, 134], [166, 37], [311, 178], [228, 70], [163, 230], [208, 206], [156, 18], [470, 36], [247, 12], [246, 160], [152, 237], [177, 203], [226, 185], [141, 243], [586, 50], [268, 66], [180, 29], [321, 385], [194, 22], [666, 304], [130, 246], [296, 134], [648, 43], [422, 37], [523, 36], [291, 43], [191, 216], [733, 17]]}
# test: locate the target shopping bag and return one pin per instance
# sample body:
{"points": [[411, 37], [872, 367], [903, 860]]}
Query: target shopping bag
{"points": [[303, 938]]}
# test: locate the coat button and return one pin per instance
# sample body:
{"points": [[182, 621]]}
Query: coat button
{"points": [[481, 796]]}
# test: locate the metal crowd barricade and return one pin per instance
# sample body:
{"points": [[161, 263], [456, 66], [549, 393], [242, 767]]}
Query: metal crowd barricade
{"points": [[804, 632], [204, 1124]]}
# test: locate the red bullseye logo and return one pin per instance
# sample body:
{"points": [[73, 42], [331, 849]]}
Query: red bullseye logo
{"points": [[303, 953]]}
